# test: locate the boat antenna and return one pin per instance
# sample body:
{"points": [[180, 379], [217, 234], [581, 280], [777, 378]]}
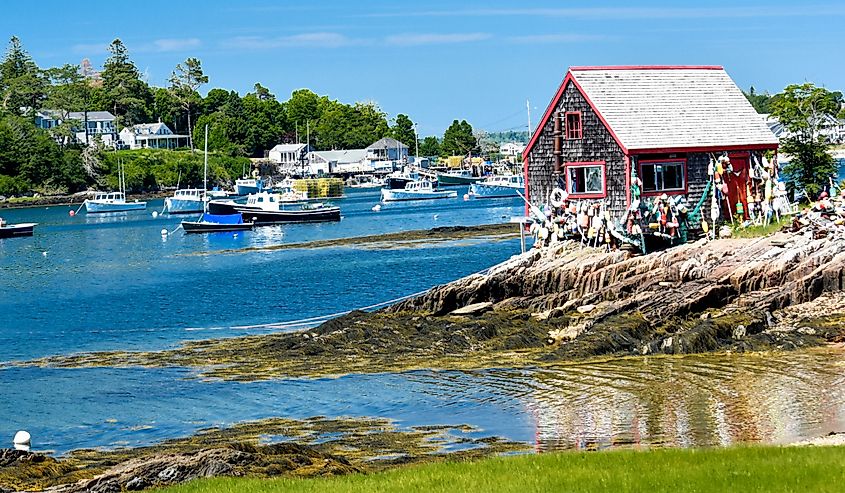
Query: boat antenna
{"points": [[205, 174]]}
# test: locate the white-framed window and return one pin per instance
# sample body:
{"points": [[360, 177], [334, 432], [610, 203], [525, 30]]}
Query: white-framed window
{"points": [[664, 175], [586, 180]]}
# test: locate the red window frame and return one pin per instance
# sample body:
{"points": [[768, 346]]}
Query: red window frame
{"points": [[587, 164], [678, 191], [573, 132]]}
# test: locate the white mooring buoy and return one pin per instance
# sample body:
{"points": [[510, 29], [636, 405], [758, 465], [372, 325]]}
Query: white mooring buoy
{"points": [[164, 232], [22, 440], [155, 214]]}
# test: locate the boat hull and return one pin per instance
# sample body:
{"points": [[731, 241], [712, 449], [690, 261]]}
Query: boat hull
{"points": [[17, 230], [204, 227], [260, 217], [481, 191], [404, 195], [447, 180], [92, 207], [222, 207], [182, 206]]}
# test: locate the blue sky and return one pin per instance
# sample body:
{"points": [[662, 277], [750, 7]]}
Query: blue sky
{"points": [[436, 60]]}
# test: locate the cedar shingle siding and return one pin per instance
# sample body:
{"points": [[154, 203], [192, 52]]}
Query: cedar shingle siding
{"points": [[596, 145]]}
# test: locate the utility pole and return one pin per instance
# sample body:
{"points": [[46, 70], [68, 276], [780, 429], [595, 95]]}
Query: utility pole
{"points": [[528, 107], [417, 139]]}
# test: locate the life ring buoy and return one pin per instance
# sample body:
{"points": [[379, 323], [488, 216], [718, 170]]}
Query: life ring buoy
{"points": [[557, 197]]}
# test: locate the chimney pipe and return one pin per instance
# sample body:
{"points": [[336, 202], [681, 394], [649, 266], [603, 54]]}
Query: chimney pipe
{"points": [[558, 138]]}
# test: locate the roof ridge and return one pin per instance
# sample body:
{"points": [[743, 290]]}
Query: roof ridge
{"points": [[646, 67]]}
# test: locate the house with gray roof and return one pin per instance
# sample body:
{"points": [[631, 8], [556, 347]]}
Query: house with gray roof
{"points": [[387, 149], [659, 125], [151, 136], [88, 126]]}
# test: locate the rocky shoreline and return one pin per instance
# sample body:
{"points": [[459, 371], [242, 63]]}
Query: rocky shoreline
{"points": [[554, 305], [75, 199], [311, 447]]}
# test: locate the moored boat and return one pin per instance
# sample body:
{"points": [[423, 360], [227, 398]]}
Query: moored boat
{"points": [[185, 200], [112, 202], [268, 208], [499, 186], [16, 230], [217, 223], [246, 186], [416, 190], [457, 177]]}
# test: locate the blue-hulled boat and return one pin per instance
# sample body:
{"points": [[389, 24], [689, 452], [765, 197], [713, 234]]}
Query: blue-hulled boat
{"points": [[216, 223], [185, 200], [416, 190], [498, 187], [246, 186]]}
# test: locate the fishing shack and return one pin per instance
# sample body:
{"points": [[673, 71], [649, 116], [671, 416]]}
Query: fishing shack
{"points": [[635, 144]]}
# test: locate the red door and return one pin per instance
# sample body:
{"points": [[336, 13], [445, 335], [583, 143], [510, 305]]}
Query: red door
{"points": [[736, 181]]}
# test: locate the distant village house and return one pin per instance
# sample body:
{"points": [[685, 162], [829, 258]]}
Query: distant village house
{"points": [[290, 158], [151, 136], [87, 127]]}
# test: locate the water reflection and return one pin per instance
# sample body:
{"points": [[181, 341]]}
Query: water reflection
{"points": [[705, 400]]}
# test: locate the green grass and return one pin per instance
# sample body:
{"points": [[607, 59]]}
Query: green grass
{"points": [[758, 231], [739, 469]]}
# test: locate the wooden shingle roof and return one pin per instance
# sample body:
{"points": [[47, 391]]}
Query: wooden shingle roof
{"points": [[670, 108]]}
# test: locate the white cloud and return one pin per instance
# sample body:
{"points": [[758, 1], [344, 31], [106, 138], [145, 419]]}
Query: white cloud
{"points": [[556, 38], [172, 44], [432, 39], [317, 40]]}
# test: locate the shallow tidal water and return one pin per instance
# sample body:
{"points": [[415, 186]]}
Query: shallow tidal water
{"points": [[114, 283]]}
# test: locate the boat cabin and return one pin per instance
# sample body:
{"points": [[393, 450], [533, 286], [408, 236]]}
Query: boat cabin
{"points": [[618, 135], [188, 193], [110, 196], [419, 186], [505, 180]]}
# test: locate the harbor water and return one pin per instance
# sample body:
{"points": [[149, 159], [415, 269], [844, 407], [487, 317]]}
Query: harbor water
{"points": [[115, 283]]}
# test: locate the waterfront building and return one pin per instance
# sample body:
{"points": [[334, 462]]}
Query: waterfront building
{"points": [[290, 158], [349, 161], [662, 125], [151, 136], [387, 149], [87, 126]]}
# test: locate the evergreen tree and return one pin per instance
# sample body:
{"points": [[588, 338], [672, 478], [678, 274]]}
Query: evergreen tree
{"points": [[403, 131], [125, 93], [430, 147], [22, 84], [458, 139], [184, 82]]}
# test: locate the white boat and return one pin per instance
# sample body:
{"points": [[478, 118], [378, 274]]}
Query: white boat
{"points": [[112, 202], [246, 186], [416, 190], [498, 186], [185, 200]]}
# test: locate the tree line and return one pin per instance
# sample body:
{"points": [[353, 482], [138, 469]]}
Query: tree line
{"points": [[51, 161]]}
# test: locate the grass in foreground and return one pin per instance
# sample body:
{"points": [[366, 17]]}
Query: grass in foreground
{"points": [[742, 469]]}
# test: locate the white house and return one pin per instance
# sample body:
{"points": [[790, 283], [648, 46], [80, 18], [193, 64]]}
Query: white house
{"points": [[387, 149], [829, 126], [289, 157], [94, 124], [153, 136], [512, 149], [345, 161]]}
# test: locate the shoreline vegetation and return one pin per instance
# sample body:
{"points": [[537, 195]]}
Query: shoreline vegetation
{"points": [[746, 469]]}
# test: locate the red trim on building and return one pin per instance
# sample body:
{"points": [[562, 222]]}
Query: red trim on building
{"points": [[683, 191], [670, 150], [648, 67], [573, 133], [586, 164], [525, 177]]}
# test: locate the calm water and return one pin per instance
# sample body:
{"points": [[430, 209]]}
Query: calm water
{"points": [[114, 283]]}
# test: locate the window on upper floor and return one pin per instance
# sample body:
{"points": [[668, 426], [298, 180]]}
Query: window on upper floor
{"points": [[663, 176], [574, 130]]}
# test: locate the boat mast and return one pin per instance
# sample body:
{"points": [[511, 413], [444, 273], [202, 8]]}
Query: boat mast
{"points": [[205, 174]]}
